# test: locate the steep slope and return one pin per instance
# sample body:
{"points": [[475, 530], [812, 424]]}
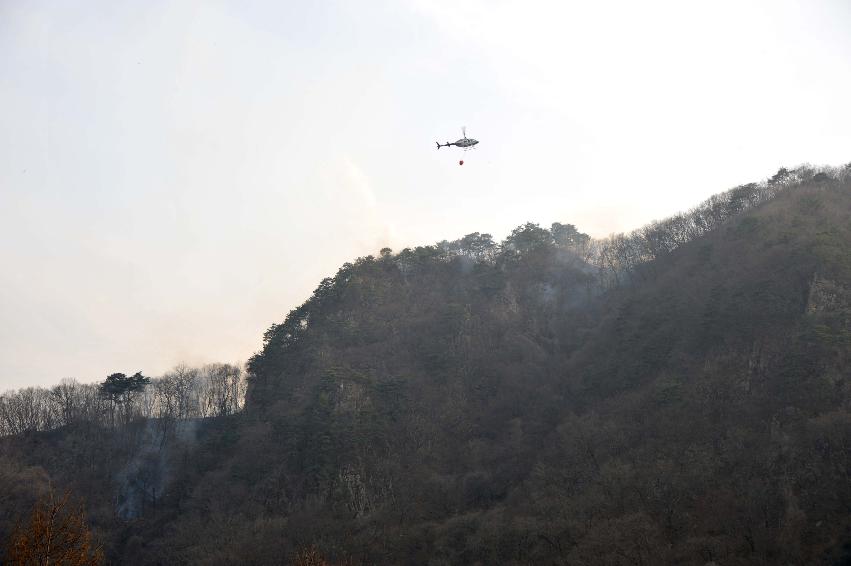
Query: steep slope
{"points": [[431, 409], [540, 402], [711, 401]]}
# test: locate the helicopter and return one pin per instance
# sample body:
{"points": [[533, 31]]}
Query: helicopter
{"points": [[464, 142]]}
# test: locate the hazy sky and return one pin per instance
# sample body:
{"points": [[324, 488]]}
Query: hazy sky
{"points": [[175, 176]]}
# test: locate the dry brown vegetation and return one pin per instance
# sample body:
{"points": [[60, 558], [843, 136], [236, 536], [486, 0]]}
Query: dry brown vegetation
{"points": [[56, 534]]}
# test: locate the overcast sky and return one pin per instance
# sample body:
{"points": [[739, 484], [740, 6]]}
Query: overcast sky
{"points": [[176, 176]]}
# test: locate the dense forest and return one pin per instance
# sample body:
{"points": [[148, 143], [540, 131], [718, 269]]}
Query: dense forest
{"points": [[679, 394]]}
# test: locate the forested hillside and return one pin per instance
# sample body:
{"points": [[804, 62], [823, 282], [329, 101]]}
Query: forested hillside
{"points": [[679, 394]]}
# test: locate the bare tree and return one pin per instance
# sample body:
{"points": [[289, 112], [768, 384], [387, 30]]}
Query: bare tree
{"points": [[225, 385], [55, 534], [66, 400]]}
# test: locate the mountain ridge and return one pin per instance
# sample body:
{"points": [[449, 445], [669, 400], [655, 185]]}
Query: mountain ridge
{"points": [[677, 394]]}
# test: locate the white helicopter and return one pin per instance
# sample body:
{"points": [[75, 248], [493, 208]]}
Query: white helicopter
{"points": [[464, 142]]}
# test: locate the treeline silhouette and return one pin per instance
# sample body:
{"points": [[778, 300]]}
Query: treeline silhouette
{"points": [[606, 263], [619, 257], [182, 393]]}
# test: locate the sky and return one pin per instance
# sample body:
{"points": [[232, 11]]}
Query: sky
{"points": [[176, 176]]}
